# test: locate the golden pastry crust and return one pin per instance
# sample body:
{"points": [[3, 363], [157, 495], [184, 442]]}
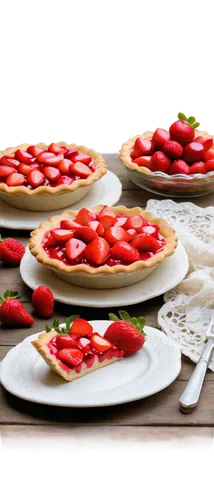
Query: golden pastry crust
{"points": [[99, 162], [127, 148], [35, 244], [41, 345]]}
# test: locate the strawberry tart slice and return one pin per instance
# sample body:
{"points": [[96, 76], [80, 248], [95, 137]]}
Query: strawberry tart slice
{"points": [[75, 349]]}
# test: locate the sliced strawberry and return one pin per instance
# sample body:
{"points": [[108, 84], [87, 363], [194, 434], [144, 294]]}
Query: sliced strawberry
{"points": [[120, 220], [35, 150], [25, 169], [86, 234], [113, 234], [85, 345], [142, 161], [159, 162], [64, 341], [206, 142], [145, 255], [106, 211], [81, 327], [209, 165], [49, 240], [51, 173], [197, 168], [153, 229], [54, 161], [80, 169], [57, 150], [15, 179], [81, 157], [35, 178], [160, 136], [142, 147], [173, 149], [64, 166], [208, 155], [23, 156], [132, 232], [193, 152], [107, 221], [71, 356], [135, 222], [64, 179], [62, 235], [74, 248], [69, 224], [44, 156], [97, 226], [178, 167], [97, 251], [84, 216], [5, 171], [146, 243], [6, 157], [125, 252], [10, 162], [99, 343], [70, 153]]}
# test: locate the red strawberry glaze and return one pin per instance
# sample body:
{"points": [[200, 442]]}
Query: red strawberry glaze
{"points": [[88, 359]]}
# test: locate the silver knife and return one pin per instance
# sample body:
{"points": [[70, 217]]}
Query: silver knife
{"points": [[190, 396]]}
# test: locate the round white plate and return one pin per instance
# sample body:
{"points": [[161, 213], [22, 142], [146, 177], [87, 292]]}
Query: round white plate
{"points": [[167, 275], [106, 191], [25, 374]]}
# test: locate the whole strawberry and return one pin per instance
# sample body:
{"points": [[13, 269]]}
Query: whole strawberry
{"points": [[12, 312], [126, 333], [43, 301], [11, 251]]}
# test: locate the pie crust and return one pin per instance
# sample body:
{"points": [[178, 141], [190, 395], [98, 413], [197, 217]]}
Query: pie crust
{"points": [[41, 345], [137, 270], [127, 147], [63, 195]]}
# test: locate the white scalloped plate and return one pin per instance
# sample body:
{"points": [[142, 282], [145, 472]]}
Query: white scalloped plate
{"points": [[106, 191], [25, 374], [167, 275]]}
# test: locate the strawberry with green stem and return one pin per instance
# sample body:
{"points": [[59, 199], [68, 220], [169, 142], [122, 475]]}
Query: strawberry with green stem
{"points": [[126, 333]]}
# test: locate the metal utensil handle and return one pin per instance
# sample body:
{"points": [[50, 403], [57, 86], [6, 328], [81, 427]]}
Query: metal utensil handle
{"points": [[190, 396]]}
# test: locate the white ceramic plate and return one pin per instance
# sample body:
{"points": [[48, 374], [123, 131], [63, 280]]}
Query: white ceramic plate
{"points": [[167, 275], [25, 374], [106, 191]]}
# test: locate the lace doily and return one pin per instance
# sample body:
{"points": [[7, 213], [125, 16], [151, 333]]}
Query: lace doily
{"points": [[188, 308]]}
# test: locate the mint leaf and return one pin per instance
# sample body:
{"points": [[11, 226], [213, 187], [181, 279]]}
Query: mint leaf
{"points": [[191, 120], [196, 125], [113, 317], [181, 116]]}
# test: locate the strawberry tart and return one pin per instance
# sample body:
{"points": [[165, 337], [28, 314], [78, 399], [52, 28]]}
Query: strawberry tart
{"points": [[75, 349], [42, 177], [103, 247], [180, 150]]}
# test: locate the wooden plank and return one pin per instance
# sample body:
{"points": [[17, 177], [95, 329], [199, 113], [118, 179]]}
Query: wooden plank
{"points": [[65, 437], [160, 409]]}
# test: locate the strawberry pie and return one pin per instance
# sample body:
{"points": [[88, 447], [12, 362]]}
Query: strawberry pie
{"points": [[76, 349], [103, 247], [45, 177], [180, 150]]}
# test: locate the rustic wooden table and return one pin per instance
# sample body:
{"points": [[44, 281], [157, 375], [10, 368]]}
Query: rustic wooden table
{"points": [[161, 410]]}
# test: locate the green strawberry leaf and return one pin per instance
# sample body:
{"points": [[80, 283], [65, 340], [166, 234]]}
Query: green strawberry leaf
{"points": [[191, 120], [113, 317], [196, 125], [139, 322], [70, 320], [1, 239], [9, 294], [47, 329], [124, 315], [181, 116]]}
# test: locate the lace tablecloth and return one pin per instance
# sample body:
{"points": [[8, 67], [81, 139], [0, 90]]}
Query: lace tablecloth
{"points": [[188, 307]]}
